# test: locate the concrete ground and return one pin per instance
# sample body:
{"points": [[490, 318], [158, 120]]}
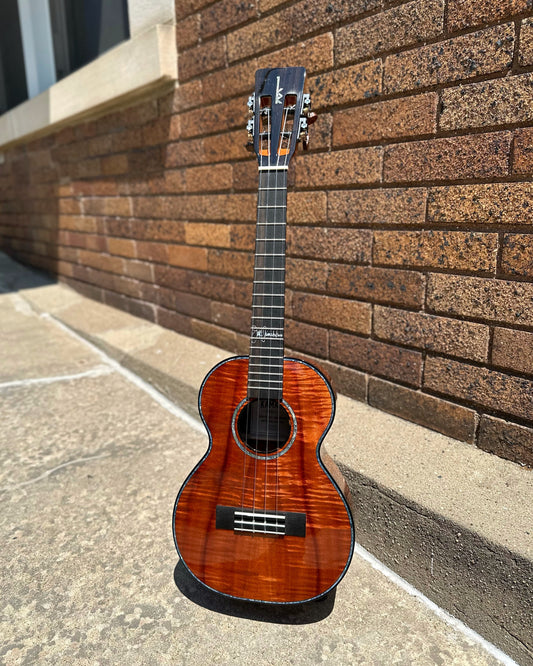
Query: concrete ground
{"points": [[91, 459]]}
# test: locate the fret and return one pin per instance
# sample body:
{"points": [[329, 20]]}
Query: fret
{"points": [[274, 168], [267, 317], [269, 206]]}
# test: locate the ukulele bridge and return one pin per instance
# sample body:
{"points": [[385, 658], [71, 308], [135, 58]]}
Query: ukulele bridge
{"points": [[251, 521]]}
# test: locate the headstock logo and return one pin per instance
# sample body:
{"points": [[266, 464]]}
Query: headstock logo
{"points": [[279, 96]]}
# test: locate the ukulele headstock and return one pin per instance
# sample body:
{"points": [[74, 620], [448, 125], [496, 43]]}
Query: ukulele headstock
{"points": [[280, 115]]}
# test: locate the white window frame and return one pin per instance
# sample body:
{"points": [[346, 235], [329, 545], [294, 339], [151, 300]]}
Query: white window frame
{"points": [[147, 61]]}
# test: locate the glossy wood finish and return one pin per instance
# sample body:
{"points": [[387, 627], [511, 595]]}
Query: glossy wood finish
{"points": [[255, 566]]}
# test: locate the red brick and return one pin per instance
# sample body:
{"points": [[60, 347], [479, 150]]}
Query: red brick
{"points": [[467, 13], [481, 386], [184, 153], [228, 83], [496, 102], [139, 270], [377, 206], [231, 316], [188, 257], [225, 14], [225, 147], [185, 303], [119, 206], [181, 98], [513, 350], [344, 380], [349, 245], [481, 298], [173, 278], [157, 252], [121, 247], [427, 410], [523, 151], [211, 119], [493, 203], [69, 206], [507, 440], [306, 208], [315, 54], [114, 165], [376, 357], [201, 233], [307, 17], [217, 336], [242, 237], [464, 57], [410, 116], [474, 156], [525, 54], [456, 250], [344, 167], [517, 254], [206, 178], [187, 32], [202, 58], [215, 287], [174, 321], [305, 274], [377, 285], [260, 36], [186, 7], [438, 334], [411, 23], [344, 314], [304, 337], [157, 230], [346, 86], [102, 262], [233, 264]]}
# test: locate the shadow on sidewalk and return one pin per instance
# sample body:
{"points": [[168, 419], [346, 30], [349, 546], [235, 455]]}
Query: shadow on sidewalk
{"points": [[306, 613], [15, 276]]}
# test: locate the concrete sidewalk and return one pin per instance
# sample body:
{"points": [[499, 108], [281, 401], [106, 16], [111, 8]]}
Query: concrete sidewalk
{"points": [[91, 458]]}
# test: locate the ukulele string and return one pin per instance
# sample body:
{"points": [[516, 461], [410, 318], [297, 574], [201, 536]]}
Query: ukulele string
{"points": [[262, 298], [277, 202]]}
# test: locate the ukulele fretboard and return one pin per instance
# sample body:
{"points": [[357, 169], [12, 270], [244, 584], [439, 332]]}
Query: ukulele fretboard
{"points": [[265, 371]]}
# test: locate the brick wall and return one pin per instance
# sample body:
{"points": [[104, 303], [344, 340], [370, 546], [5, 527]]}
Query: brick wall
{"points": [[410, 250]]}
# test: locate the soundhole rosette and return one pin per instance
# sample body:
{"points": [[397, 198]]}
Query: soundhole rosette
{"points": [[279, 441]]}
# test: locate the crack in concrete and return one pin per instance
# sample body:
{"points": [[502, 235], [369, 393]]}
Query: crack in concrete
{"points": [[48, 472], [97, 371]]}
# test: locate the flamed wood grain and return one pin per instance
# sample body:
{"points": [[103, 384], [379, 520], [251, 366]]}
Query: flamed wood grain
{"points": [[254, 566]]}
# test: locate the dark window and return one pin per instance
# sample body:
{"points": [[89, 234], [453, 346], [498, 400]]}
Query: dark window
{"points": [[84, 29], [13, 89], [81, 31]]}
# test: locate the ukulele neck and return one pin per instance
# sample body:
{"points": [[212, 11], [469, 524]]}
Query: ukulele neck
{"points": [[265, 371]]}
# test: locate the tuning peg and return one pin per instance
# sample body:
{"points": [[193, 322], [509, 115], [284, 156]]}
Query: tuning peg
{"points": [[251, 103], [311, 118]]}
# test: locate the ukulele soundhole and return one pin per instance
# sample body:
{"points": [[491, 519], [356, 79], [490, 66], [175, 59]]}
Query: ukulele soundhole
{"points": [[264, 426]]}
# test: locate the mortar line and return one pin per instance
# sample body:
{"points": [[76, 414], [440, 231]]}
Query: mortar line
{"points": [[156, 395], [97, 371], [446, 617]]}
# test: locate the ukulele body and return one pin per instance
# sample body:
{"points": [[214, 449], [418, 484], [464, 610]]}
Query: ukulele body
{"points": [[269, 526]]}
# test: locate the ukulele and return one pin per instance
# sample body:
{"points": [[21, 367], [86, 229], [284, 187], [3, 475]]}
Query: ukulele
{"points": [[261, 517]]}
